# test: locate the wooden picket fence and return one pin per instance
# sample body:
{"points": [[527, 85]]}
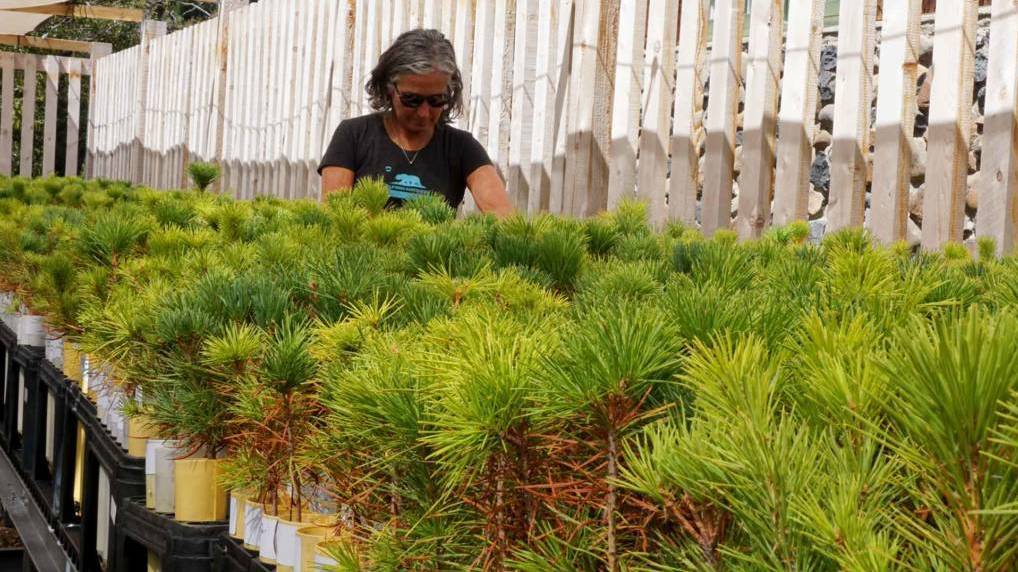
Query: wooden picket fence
{"points": [[584, 103], [21, 76]]}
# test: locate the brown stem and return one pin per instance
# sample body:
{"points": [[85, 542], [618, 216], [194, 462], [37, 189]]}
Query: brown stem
{"points": [[611, 500]]}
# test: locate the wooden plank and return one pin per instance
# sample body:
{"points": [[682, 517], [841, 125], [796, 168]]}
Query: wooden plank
{"points": [[278, 86], [722, 114], [93, 86], [7, 113], [756, 180], [73, 123], [248, 107], [480, 90], [358, 74], [686, 111], [28, 120], [49, 138], [501, 84], [85, 11], [339, 102], [563, 46], [895, 120], [53, 44], [521, 127], [317, 105], [950, 122], [545, 90], [654, 137], [596, 199], [798, 111], [580, 153], [852, 103], [149, 31], [625, 141], [225, 87], [448, 22], [997, 216], [463, 43], [432, 14]]}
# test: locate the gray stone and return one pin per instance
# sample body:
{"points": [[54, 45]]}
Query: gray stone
{"points": [[816, 203], [915, 201], [981, 62], [817, 228], [829, 57], [826, 84], [972, 192], [918, 171], [822, 140], [820, 172], [913, 235], [926, 49], [826, 117]]}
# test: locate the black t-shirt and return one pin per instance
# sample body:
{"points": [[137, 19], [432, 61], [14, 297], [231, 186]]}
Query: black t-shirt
{"points": [[362, 145]]}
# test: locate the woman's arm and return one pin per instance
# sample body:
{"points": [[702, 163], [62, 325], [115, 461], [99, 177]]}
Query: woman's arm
{"points": [[335, 179], [489, 191]]}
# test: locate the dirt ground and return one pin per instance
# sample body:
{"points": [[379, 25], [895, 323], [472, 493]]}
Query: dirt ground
{"points": [[9, 538]]}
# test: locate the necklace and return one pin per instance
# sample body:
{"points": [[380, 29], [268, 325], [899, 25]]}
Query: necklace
{"points": [[408, 159], [405, 154]]}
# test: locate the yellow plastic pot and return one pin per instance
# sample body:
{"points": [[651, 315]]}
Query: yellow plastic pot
{"points": [[309, 538], [317, 518], [322, 557], [198, 496], [72, 362], [138, 433]]}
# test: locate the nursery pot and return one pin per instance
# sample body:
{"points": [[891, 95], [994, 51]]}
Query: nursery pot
{"points": [[267, 537], [287, 545], [199, 496], [138, 433], [252, 527], [322, 557], [72, 363], [238, 501], [55, 349], [30, 331], [159, 475], [308, 539]]}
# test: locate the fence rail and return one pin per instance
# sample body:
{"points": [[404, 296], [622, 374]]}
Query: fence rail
{"points": [[583, 103], [22, 78]]}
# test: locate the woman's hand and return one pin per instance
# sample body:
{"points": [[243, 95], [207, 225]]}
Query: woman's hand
{"points": [[489, 191], [335, 179]]}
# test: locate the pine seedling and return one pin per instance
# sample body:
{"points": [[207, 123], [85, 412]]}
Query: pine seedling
{"points": [[203, 174]]}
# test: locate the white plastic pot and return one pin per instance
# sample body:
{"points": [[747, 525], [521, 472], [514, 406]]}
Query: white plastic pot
{"points": [[31, 331], [55, 350], [267, 539], [287, 544], [252, 525], [159, 469]]}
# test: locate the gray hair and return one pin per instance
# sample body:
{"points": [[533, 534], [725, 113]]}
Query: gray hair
{"points": [[413, 53]]}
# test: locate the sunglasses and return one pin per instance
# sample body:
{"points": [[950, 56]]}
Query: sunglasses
{"points": [[414, 100]]}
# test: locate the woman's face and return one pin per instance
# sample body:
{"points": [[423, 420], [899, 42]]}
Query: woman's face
{"points": [[424, 117]]}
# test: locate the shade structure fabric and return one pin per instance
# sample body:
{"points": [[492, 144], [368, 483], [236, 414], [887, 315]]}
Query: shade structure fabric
{"points": [[18, 23]]}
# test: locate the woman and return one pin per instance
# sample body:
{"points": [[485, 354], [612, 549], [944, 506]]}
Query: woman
{"points": [[415, 90]]}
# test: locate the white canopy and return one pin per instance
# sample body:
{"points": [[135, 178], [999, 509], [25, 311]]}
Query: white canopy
{"points": [[18, 23]]}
